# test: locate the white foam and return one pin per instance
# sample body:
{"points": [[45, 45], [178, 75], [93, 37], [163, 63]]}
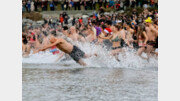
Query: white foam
{"points": [[129, 59]]}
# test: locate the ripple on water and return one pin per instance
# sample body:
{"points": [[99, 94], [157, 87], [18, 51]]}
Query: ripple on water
{"points": [[93, 84]]}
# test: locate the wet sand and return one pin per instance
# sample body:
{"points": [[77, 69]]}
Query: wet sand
{"points": [[89, 84]]}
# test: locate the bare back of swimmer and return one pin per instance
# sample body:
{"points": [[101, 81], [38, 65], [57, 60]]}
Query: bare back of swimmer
{"points": [[67, 48]]}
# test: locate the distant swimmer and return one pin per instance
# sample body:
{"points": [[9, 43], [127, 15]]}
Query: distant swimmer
{"points": [[68, 48]]}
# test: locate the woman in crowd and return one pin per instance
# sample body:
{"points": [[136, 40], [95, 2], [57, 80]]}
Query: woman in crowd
{"points": [[116, 41], [129, 35]]}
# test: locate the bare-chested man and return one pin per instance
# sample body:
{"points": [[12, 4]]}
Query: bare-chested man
{"points": [[73, 34], [152, 34], [67, 48]]}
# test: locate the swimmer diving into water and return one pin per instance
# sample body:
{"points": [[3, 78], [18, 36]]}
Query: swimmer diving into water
{"points": [[67, 48]]}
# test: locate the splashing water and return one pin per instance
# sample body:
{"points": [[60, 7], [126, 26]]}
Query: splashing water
{"points": [[131, 79], [128, 59]]}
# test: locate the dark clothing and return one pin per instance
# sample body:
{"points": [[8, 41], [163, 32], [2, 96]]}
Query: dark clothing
{"points": [[77, 5], [25, 41], [66, 20], [156, 45], [135, 45], [113, 48], [127, 3], [36, 5], [94, 6], [100, 3], [76, 53], [45, 4], [123, 44], [133, 4], [62, 5], [55, 2], [52, 6], [152, 43], [73, 21], [105, 3]]}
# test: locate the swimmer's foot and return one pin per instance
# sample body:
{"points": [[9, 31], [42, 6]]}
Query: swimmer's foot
{"points": [[118, 60], [148, 59], [95, 54], [25, 55]]}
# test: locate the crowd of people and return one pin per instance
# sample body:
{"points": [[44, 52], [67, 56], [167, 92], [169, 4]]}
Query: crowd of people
{"points": [[115, 32], [36, 5]]}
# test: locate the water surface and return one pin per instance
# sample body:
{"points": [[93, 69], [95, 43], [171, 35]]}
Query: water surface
{"points": [[89, 84]]}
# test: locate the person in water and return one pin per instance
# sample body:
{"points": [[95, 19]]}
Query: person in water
{"points": [[115, 39], [25, 46], [152, 34], [67, 48], [142, 40]]}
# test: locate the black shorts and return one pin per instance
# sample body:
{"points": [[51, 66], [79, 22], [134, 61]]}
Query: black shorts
{"points": [[156, 45], [76, 53], [135, 45], [152, 43], [113, 48], [123, 44]]}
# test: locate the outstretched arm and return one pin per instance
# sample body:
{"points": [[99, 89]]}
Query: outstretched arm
{"points": [[108, 37], [49, 46]]}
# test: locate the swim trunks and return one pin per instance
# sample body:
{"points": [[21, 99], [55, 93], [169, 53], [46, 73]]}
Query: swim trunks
{"points": [[113, 48], [151, 43], [135, 45], [156, 45], [54, 50], [76, 53]]}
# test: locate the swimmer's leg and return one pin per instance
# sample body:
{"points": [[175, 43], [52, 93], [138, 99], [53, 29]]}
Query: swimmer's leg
{"points": [[155, 53], [149, 50], [60, 56], [116, 51], [35, 51], [89, 55], [23, 49], [116, 57], [81, 62], [140, 51], [28, 49]]}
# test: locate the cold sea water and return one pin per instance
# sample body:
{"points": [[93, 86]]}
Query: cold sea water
{"points": [[103, 79]]}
